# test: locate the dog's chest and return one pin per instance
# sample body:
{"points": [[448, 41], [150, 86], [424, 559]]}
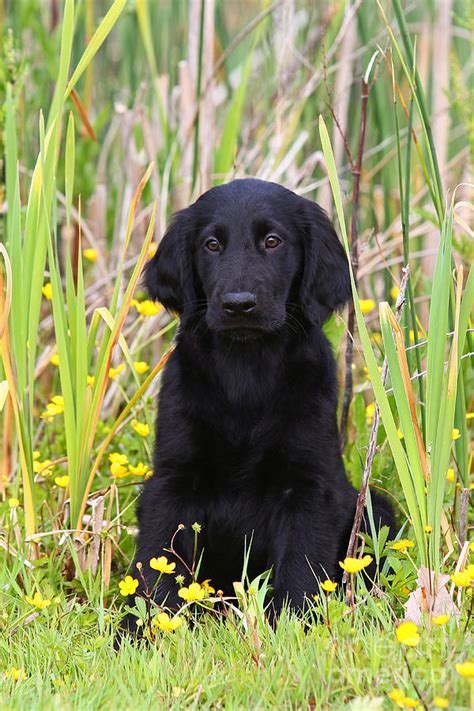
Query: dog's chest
{"points": [[245, 493], [234, 521], [252, 465]]}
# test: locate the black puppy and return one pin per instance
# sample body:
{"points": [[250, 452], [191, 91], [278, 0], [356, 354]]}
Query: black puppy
{"points": [[246, 439]]}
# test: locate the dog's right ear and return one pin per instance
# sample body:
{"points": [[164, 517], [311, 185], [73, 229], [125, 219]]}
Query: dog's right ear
{"points": [[169, 274]]}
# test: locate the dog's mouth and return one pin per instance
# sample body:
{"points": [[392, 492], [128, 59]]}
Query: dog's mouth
{"points": [[243, 328], [242, 333]]}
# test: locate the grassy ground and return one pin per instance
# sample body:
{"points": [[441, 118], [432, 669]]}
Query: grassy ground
{"points": [[102, 138], [68, 657]]}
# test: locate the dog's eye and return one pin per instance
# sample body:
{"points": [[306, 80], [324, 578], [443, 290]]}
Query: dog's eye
{"points": [[272, 241], [212, 245]]}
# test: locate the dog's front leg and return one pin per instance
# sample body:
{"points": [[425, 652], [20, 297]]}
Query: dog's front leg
{"points": [[301, 557]]}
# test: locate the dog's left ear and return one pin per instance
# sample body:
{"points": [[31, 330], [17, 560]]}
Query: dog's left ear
{"points": [[325, 284]]}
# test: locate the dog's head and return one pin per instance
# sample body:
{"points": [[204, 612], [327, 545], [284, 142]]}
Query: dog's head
{"points": [[245, 256]]}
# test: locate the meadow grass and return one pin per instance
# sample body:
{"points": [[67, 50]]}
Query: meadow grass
{"points": [[210, 662], [115, 114]]}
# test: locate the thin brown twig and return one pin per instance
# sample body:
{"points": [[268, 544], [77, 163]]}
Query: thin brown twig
{"points": [[351, 548], [412, 679], [463, 506], [356, 172], [174, 552], [345, 141]]}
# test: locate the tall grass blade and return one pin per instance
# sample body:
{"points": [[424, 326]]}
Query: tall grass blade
{"points": [[401, 462], [95, 43]]}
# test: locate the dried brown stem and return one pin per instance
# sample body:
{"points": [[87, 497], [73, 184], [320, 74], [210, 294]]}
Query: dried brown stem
{"points": [[356, 171], [351, 548], [345, 141], [463, 506], [413, 681]]}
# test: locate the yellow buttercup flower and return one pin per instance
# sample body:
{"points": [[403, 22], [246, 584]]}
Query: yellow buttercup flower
{"points": [[192, 593], [119, 471], [62, 481], [140, 470], [407, 633], [47, 291], [412, 336], [147, 308], [91, 380], [355, 565], [367, 305], [402, 545], [428, 530], [441, 702], [13, 503], [166, 623], [118, 458], [38, 601], [58, 402], [161, 564], [45, 467], [54, 360], [53, 408], [141, 428], [396, 695], [394, 292], [328, 586], [141, 366], [465, 669], [152, 249], [90, 254], [455, 434], [471, 546], [208, 587], [115, 372], [15, 674], [128, 585], [399, 698], [440, 619], [369, 411], [450, 475], [462, 578]]}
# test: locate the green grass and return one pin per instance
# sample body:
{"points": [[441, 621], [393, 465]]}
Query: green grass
{"points": [[67, 652]]}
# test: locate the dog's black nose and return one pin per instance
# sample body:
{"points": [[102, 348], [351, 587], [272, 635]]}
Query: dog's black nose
{"points": [[238, 304]]}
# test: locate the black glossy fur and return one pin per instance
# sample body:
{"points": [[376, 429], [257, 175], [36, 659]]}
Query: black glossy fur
{"points": [[246, 438]]}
